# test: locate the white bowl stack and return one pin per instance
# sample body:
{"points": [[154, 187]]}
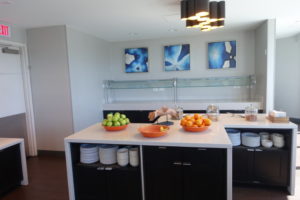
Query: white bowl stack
{"points": [[250, 139], [134, 156], [123, 157], [234, 136], [88, 153], [108, 154], [278, 140]]}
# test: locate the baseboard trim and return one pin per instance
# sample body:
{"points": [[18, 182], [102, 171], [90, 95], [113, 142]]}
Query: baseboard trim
{"points": [[51, 153]]}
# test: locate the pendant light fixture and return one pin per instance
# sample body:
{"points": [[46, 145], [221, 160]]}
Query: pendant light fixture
{"points": [[203, 14]]}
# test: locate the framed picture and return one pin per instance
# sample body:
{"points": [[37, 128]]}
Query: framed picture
{"points": [[222, 55], [136, 60], [177, 57]]}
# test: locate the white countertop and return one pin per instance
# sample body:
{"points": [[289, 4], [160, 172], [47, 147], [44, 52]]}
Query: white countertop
{"points": [[214, 137], [7, 142]]}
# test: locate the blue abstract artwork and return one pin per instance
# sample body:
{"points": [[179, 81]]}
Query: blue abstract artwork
{"points": [[136, 60], [177, 57], [222, 55]]}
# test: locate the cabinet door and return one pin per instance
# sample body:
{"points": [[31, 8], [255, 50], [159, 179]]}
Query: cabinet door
{"points": [[242, 165], [90, 183], [10, 168], [124, 183], [163, 173], [204, 174], [271, 166]]}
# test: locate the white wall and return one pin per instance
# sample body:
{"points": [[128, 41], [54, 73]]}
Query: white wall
{"points": [[265, 62], [287, 81], [88, 65], [199, 65], [50, 86]]}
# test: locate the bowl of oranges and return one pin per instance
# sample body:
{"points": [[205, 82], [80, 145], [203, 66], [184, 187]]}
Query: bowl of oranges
{"points": [[195, 123]]}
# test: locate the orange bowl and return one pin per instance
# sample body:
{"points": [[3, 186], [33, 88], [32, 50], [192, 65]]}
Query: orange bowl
{"points": [[153, 131], [195, 129], [115, 128]]}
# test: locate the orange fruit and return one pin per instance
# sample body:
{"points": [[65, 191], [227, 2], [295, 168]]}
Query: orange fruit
{"points": [[207, 122], [196, 116], [183, 122], [199, 122], [189, 124], [193, 120], [188, 117], [195, 125]]}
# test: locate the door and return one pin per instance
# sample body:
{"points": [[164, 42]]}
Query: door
{"points": [[90, 182], [204, 174], [124, 183], [271, 166], [12, 101], [242, 164], [163, 173]]}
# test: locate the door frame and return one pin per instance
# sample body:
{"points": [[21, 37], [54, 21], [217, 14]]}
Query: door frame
{"points": [[30, 124]]}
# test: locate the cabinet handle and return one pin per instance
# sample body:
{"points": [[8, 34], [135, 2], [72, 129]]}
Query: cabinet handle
{"points": [[250, 149], [100, 168], [256, 181], [177, 163], [162, 147], [108, 168], [258, 150], [201, 149], [187, 164]]}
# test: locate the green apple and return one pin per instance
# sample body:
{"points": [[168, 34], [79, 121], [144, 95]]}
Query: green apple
{"points": [[123, 116], [115, 118], [109, 115], [123, 122], [117, 114], [109, 124], [104, 122], [109, 119], [127, 121], [117, 123]]}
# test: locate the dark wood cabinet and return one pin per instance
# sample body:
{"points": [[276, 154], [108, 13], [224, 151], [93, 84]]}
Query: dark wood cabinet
{"points": [[95, 181], [10, 169], [184, 173], [268, 166]]}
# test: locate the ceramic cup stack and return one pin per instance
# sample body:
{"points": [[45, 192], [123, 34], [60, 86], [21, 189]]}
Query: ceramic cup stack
{"points": [[108, 154], [235, 136], [134, 156], [278, 140], [265, 140], [88, 153], [123, 157], [250, 139]]}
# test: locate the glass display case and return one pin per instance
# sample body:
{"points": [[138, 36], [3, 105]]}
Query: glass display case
{"points": [[176, 90]]}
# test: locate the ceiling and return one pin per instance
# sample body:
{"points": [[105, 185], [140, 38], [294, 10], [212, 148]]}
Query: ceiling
{"points": [[121, 20]]}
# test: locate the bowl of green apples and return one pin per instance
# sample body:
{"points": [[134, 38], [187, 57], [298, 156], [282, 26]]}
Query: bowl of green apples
{"points": [[115, 122]]}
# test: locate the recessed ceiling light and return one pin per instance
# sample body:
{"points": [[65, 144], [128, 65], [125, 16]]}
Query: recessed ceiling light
{"points": [[133, 34], [172, 30], [6, 2]]}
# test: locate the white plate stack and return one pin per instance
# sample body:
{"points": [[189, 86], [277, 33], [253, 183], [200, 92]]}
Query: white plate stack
{"points": [[234, 136], [108, 154], [88, 153], [123, 157], [250, 139]]}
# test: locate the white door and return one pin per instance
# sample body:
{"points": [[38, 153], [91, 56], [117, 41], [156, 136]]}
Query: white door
{"points": [[12, 100]]}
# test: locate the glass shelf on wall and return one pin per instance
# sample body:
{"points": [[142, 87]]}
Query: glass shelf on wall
{"points": [[140, 84], [216, 82]]}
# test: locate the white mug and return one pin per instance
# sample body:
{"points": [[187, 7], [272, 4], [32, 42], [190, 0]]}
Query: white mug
{"points": [[123, 157]]}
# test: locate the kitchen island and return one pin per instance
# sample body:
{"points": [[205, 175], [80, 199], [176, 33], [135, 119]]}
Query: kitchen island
{"points": [[175, 166]]}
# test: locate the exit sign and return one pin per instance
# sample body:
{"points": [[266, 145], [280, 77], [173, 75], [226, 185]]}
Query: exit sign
{"points": [[4, 30]]}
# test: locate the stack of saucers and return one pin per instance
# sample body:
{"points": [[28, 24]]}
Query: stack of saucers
{"points": [[108, 154], [235, 136], [89, 153]]}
